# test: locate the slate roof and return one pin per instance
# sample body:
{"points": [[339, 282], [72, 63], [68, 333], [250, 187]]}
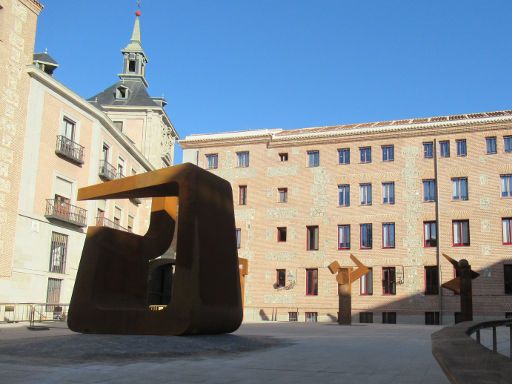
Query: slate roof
{"points": [[45, 58], [137, 95]]}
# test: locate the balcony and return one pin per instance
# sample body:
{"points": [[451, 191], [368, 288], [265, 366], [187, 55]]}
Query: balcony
{"points": [[62, 211], [107, 171], [70, 150], [104, 222]]}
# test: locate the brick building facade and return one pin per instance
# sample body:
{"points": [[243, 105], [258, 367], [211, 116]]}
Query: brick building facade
{"points": [[396, 194]]}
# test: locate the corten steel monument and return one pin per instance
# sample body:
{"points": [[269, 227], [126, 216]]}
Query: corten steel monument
{"points": [[345, 276], [111, 289], [462, 285]]}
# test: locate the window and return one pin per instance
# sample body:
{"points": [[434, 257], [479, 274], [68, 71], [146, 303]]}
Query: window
{"points": [[280, 278], [460, 188], [344, 236], [238, 233], [283, 195], [311, 317], [429, 190], [388, 153], [312, 241], [490, 143], [506, 224], [457, 317], [120, 167], [243, 159], [508, 143], [344, 156], [117, 217], [445, 148], [388, 281], [121, 92], [130, 223], [430, 233], [388, 193], [366, 236], [431, 318], [506, 185], [388, 317], [507, 270], [313, 158], [388, 235], [366, 283], [68, 129], [212, 161], [58, 251], [366, 317], [292, 316], [62, 206], [365, 154], [460, 233], [428, 150], [100, 216], [431, 281], [462, 149], [311, 282], [281, 234], [242, 194], [105, 152], [53, 293], [131, 66], [283, 156], [344, 195], [118, 125], [365, 194]]}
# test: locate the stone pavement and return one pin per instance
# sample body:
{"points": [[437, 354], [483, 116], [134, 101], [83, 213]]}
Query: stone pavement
{"points": [[256, 353]]}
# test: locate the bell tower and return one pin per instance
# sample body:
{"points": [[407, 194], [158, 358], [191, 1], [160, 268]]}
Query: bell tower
{"points": [[135, 59]]}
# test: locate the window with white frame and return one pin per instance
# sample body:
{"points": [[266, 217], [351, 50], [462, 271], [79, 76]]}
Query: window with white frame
{"points": [[312, 237], [344, 236], [388, 153], [120, 167], [506, 185], [117, 217], [68, 128], [365, 194], [344, 156], [429, 190], [283, 195], [460, 188], [462, 149], [506, 224], [388, 193], [508, 143], [490, 144], [365, 154], [243, 159], [313, 158], [344, 195], [212, 161], [460, 233], [366, 283], [388, 235]]}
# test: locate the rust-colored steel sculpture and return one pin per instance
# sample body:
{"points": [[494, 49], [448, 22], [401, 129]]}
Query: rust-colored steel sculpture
{"points": [[345, 276], [462, 284], [111, 289]]}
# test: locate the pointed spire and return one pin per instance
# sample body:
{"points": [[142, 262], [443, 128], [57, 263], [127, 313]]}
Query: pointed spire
{"points": [[135, 44]]}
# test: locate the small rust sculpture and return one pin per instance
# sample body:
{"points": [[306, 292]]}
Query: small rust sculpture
{"points": [[462, 285], [111, 290], [345, 276]]}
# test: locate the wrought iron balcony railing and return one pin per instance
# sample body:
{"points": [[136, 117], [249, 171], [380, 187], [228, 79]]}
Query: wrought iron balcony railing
{"points": [[69, 149], [104, 222], [66, 212], [107, 171]]}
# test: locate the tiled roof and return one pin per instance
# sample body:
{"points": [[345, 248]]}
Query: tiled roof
{"points": [[137, 95], [45, 58]]}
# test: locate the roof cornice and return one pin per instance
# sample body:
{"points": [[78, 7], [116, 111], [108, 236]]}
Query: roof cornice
{"points": [[77, 100], [34, 5]]}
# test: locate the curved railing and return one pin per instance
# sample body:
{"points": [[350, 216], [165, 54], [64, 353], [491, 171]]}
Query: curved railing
{"points": [[465, 360]]}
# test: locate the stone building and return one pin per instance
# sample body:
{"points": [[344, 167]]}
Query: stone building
{"points": [[396, 194], [55, 142]]}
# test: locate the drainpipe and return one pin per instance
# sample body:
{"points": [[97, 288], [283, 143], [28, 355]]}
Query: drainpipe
{"points": [[438, 246]]}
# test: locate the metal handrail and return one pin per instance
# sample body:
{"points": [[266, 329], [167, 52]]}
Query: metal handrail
{"points": [[491, 324], [69, 149], [30, 312], [107, 170], [66, 212], [104, 222]]}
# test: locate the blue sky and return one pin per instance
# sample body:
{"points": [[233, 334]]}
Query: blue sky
{"points": [[227, 65]]}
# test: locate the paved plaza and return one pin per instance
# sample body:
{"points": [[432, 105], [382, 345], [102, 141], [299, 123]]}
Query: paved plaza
{"points": [[256, 353]]}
